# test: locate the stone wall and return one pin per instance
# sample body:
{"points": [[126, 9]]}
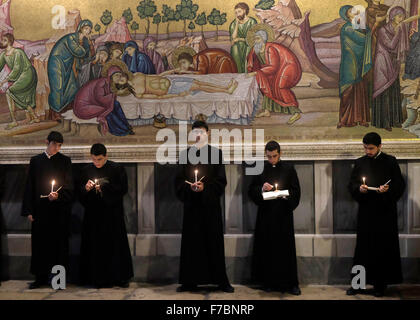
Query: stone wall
{"points": [[325, 223]]}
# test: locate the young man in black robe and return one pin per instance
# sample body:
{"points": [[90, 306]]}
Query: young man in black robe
{"points": [[105, 252], [47, 203], [202, 245], [377, 245], [274, 264]]}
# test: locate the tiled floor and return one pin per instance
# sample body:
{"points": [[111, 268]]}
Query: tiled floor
{"points": [[18, 290]]}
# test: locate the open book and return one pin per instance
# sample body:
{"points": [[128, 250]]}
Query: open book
{"points": [[376, 189], [271, 195]]}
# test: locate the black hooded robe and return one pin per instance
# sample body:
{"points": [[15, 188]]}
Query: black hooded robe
{"points": [[51, 225], [202, 244], [105, 252], [377, 244], [274, 262]]}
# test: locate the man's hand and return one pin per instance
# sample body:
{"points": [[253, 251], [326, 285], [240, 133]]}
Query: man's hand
{"points": [[53, 196], [383, 189], [197, 187], [31, 218], [89, 185], [363, 188], [267, 187]]}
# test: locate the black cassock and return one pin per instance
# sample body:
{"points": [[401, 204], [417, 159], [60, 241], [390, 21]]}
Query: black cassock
{"points": [[105, 252], [274, 258], [202, 245], [51, 225], [377, 245]]}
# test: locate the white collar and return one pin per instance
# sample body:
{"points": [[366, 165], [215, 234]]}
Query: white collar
{"points": [[200, 145], [48, 156], [379, 153]]}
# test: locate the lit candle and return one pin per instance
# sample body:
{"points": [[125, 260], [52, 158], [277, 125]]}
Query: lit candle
{"points": [[196, 173], [276, 186], [96, 182], [364, 180], [52, 186]]}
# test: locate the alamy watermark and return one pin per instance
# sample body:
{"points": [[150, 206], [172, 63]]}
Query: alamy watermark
{"points": [[59, 19], [243, 145], [359, 280], [58, 281]]}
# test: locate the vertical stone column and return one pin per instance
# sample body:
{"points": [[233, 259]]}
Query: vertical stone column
{"points": [[146, 198], [413, 174], [323, 197], [233, 199]]}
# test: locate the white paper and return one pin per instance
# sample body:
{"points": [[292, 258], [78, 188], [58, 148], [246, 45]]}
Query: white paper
{"points": [[271, 195]]}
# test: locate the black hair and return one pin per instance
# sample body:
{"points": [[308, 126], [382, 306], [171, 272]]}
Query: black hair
{"points": [[372, 138], [185, 56], [200, 124], [98, 149], [272, 145], [55, 136]]}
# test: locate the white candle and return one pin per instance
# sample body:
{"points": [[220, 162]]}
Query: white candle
{"points": [[364, 180], [276, 186], [96, 182], [196, 173], [52, 186]]}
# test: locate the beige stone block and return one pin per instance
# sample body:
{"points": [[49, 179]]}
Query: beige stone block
{"points": [[146, 245], [403, 245], [345, 244], [413, 246], [169, 245], [18, 245], [238, 245], [304, 245], [325, 246]]}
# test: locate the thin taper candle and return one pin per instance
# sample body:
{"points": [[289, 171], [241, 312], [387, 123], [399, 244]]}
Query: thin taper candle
{"points": [[364, 180], [196, 173], [52, 186]]}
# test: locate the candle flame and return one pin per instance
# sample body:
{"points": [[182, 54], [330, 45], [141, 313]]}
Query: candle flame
{"points": [[53, 182]]}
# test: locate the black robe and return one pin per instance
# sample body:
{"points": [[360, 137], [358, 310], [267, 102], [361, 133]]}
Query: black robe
{"points": [[51, 225], [274, 262], [202, 245], [105, 252], [377, 245]]}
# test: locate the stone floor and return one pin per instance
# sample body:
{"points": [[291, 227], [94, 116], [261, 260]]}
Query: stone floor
{"points": [[17, 290]]}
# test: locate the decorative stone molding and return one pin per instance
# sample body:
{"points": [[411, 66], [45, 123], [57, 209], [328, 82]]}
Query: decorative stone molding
{"points": [[146, 198], [402, 149], [323, 197], [233, 199]]}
